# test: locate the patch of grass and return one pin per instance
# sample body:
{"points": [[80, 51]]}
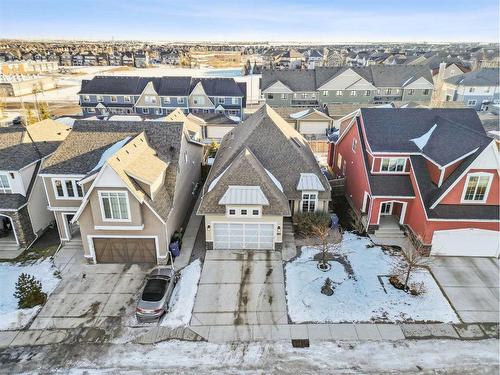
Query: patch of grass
{"points": [[33, 254]]}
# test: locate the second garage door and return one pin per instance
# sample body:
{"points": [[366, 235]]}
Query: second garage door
{"points": [[125, 250], [465, 242], [243, 236], [313, 127]]}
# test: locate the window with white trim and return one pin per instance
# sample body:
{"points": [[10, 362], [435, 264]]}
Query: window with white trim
{"points": [[221, 100], [388, 91], [234, 100], [393, 164], [145, 110], [353, 92], [339, 92], [255, 212], [180, 100], [411, 91], [325, 93], [67, 188], [471, 103], [114, 99], [99, 98], [309, 201], [339, 160], [126, 99], [91, 110], [368, 93], [232, 212], [115, 206], [476, 188], [86, 98], [150, 99], [426, 92], [283, 96], [5, 187]]}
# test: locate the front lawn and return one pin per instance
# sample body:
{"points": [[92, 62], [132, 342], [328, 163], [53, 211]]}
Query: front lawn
{"points": [[362, 292], [10, 316]]}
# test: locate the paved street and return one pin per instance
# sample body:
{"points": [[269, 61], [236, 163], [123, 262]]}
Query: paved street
{"points": [[471, 286], [241, 288]]}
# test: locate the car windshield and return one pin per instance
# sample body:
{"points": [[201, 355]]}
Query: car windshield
{"points": [[154, 290]]}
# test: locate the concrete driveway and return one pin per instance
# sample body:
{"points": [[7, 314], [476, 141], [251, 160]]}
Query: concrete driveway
{"points": [[90, 295], [471, 285], [240, 288]]}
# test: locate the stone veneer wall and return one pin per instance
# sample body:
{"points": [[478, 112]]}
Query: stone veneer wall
{"points": [[22, 225]]}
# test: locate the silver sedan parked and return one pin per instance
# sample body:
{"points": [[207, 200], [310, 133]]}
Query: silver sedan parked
{"points": [[156, 295]]}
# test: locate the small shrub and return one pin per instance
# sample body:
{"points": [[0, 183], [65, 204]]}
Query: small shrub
{"points": [[327, 288], [417, 289], [396, 282], [29, 292], [305, 222]]}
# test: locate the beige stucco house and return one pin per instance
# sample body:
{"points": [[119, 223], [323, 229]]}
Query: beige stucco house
{"points": [[263, 172], [124, 187]]}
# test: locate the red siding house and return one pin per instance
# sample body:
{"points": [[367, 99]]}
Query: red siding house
{"points": [[434, 172]]}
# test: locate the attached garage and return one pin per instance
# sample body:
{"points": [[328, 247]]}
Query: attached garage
{"points": [[237, 236], [125, 250], [466, 242]]}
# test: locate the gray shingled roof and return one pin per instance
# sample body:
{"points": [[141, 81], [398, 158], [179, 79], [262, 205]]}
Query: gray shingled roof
{"points": [[81, 150], [164, 86], [378, 75], [458, 131], [481, 77], [277, 146], [16, 152]]}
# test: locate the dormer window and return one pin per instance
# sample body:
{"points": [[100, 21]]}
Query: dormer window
{"points": [[477, 188], [150, 99], [114, 99], [5, 184], [393, 164]]}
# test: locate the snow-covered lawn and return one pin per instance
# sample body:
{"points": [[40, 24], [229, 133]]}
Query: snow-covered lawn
{"points": [[362, 292], [182, 301], [10, 316]]}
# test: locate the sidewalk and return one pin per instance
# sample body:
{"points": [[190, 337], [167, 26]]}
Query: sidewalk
{"points": [[189, 238]]}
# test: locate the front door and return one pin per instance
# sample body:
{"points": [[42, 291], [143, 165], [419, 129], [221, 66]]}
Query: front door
{"points": [[386, 208]]}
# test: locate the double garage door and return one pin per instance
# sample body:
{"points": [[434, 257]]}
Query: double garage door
{"points": [[466, 242], [125, 250], [243, 236]]}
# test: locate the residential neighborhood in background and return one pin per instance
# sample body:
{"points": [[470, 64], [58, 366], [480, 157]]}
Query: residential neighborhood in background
{"points": [[187, 206]]}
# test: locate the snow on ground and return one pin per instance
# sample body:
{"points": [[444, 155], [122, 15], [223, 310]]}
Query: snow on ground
{"points": [[182, 300], [10, 316], [359, 295], [460, 357]]}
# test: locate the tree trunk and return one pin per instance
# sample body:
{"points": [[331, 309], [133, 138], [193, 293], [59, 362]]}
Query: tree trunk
{"points": [[407, 277]]}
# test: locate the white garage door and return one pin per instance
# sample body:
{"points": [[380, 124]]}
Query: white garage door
{"points": [[313, 127], [466, 242], [243, 236]]}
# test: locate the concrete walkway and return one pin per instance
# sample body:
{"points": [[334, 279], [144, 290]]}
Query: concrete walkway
{"points": [[189, 238]]}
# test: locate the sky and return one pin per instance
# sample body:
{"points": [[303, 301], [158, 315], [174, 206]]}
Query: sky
{"points": [[253, 20]]}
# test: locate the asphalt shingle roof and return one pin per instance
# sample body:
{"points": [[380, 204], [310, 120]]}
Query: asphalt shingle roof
{"points": [[481, 77]]}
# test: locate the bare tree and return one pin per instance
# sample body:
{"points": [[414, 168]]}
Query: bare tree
{"points": [[328, 239], [414, 258]]}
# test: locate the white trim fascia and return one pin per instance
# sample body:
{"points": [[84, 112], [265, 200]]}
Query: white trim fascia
{"points": [[393, 196], [13, 209], [62, 175], [58, 209], [346, 130], [403, 210], [440, 198], [87, 179], [119, 227]]}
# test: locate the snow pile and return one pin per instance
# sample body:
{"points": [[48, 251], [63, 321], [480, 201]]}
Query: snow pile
{"points": [[10, 316], [362, 292], [182, 301], [298, 115]]}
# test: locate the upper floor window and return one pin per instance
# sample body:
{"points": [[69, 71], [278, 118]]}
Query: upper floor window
{"points": [[477, 187], [86, 98], [393, 164], [180, 100], [99, 98], [303, 95], [150, 99], [67, 188], [269, 96], [339, 92], [283, 96], [325, 93], [471, 103], [166, 100], [5, 184], [411, 91], [353, 92], [368, 93], [114, 206], [472, 89], [114, 99], [234, 100], [221, 100], [126, 98], [309, 201], [201, 100], [388, 91], [426, 92]]}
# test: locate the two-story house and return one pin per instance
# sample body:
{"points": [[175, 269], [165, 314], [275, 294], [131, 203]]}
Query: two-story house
{"points": [[123, 187], [263, 172], [23, 205], [476, 89], [158, 96], [432, 172], [376, 84]]}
